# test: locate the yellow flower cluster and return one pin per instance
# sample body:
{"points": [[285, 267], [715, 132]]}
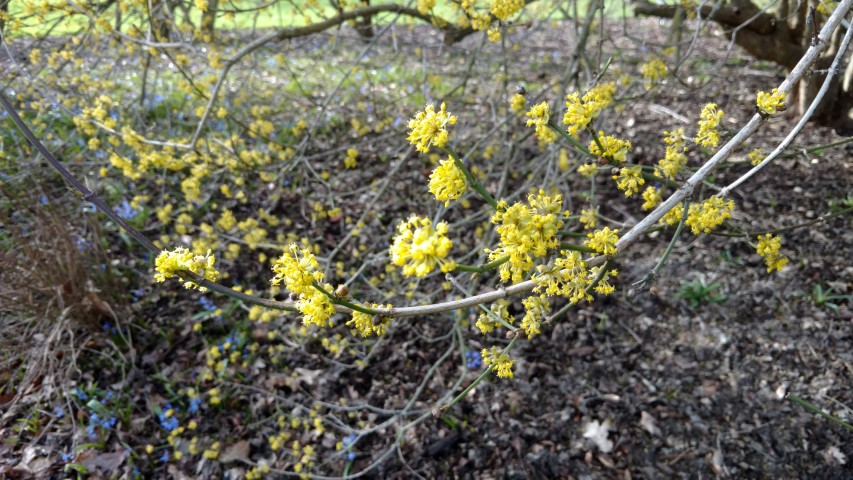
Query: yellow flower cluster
{"points": [[709, 121], [447, 182], [315, 306], [588, 170], [168, 264], [297, 268], [517, 102], [536, 308], [673, 216], [582, 110], [652, 71], [503, 9], [756, 156], [770, 103], [569, 277], [526, 231], [419, 248], [424, 6], [367, 325], [709, 214], [826, 7], [487, 322], [629, 179], [651, 198], [589, 218], [429, 128], [351, 160], [539, 115], [611, 147], [498, 361], [768, 248], [603, 241], [674, 159]]}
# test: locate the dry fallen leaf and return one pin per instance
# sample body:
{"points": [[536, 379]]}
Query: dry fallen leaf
{"points": [[597, 432], [238, 451], [649, 424]]}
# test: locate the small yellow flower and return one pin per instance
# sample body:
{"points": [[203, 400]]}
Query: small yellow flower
{"points": [[497, 361], [709, 120], [603, 241], [315, 306], [577, 115], [351, 160], [424, 6], [673, 216], [709, 214], [538, 117], [429, 128], [298, 269], [768, 247], [588, 170], [503, 9], [589, 218], [536, 308], [367, 325], [674, 160], [651, 197], [581, 110], [169, 264], [526, 232], [613, 148], [419, 248], [447, 182], [568, 277], [756, 156], [487, 322], [629, 180], [770, 103], [517, 102], [652, 71]]}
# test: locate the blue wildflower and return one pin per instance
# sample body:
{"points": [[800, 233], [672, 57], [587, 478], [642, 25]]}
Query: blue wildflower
{"points": [[58, 411], [169, 423], [473, 359], [125, 211]]}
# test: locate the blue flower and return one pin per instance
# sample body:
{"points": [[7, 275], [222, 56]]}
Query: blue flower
{"points": [[81, 395], [169, 423], [58, 411], [67, 457], [165, 457], [473, 359], [348, 443], [206, 303], [125, 211], [194, 404]]}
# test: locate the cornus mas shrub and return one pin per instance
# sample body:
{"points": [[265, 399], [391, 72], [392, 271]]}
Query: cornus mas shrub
{"points": [[214, 177]]}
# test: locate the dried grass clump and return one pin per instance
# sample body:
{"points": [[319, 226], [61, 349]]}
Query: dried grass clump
{"points": [[52, 296]]}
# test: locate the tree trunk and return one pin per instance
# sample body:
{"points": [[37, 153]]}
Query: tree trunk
{"points": [[208, 20], [4, 13]]}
